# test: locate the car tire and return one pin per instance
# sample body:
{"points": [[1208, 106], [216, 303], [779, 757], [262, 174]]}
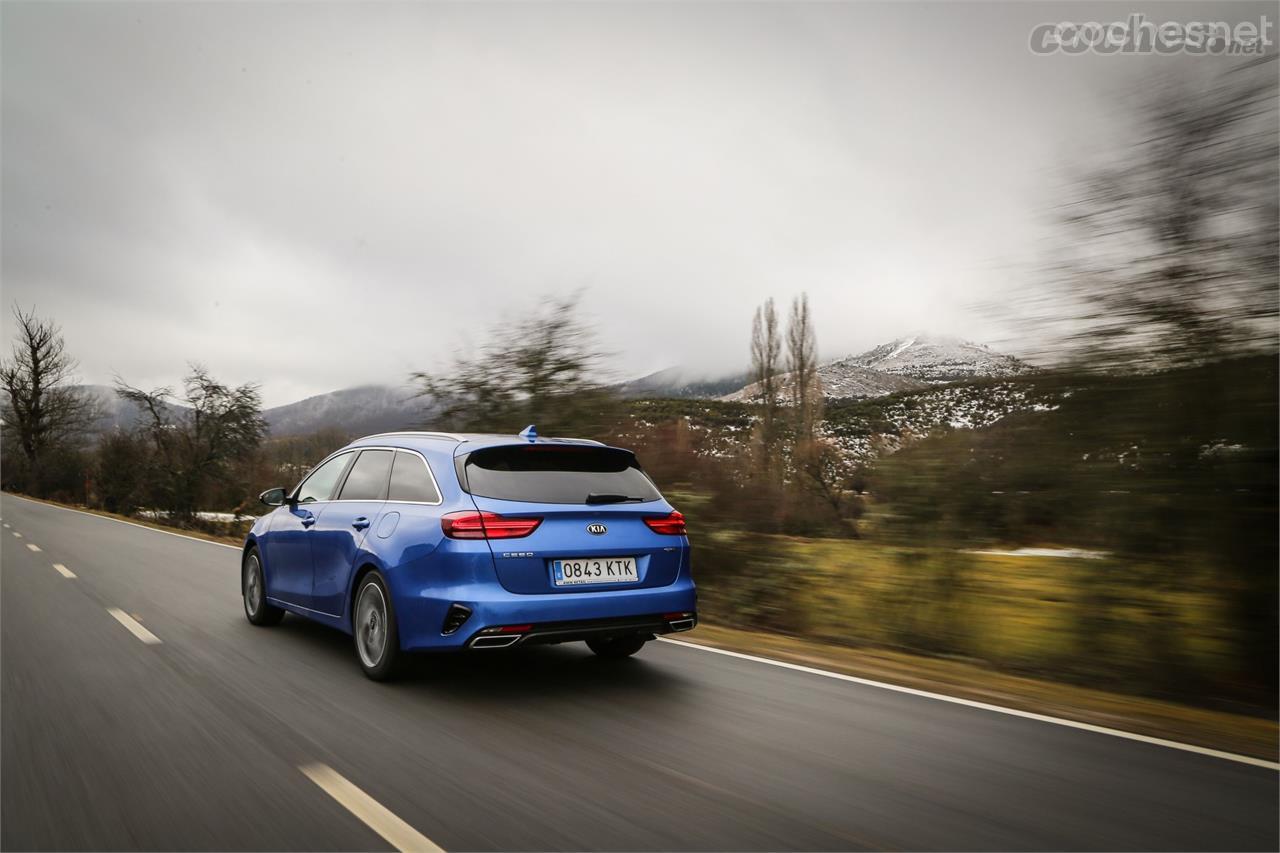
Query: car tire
{"points": [[374, 628], [253, 589], [616, 648]]}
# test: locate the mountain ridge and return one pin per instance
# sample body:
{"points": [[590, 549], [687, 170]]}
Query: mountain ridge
{"points": [[679, 381], [358, 410], [909, 363], [936, 358]]}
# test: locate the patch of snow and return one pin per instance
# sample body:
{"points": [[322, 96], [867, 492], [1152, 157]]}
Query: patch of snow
{"points": [[909, 343], [203, 516], [1066, 553]]}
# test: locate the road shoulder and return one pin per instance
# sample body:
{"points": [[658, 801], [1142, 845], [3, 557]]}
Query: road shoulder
{"points": [[1234, 733]]}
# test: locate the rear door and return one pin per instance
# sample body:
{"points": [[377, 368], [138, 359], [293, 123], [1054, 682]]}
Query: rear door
{"points": [[593, 502], [341, 529]]}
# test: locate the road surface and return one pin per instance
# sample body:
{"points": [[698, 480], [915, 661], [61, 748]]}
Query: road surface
{"points": [[141, 710]]}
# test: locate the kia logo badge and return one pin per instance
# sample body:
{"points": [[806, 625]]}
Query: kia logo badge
{"points": [[597, 529]]}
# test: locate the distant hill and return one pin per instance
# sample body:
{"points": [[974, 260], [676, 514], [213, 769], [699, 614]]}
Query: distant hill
{"points": [[360, 410], [904, 365], [862, 429], [681, 383], [933, 358], [907, 364], [115, 412]]}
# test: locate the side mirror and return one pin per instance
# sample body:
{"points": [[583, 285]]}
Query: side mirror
{"points": [[273, 497]]}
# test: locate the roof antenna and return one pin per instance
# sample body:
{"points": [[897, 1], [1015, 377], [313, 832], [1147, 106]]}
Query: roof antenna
{"points": [[530, 432]]}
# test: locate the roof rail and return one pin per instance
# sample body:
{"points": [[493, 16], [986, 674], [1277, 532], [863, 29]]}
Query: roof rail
{"points": [[453, 436], [448, 436]]}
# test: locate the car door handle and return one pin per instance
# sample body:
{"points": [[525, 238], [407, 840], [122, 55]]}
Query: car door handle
{"points": [[308, 520], [360, 523]]}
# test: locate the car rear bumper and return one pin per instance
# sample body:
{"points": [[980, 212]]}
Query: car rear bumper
{"points": [[507, 636], [551, 618]]}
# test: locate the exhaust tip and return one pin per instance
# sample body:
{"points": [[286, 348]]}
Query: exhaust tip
{"points": [[496, 641], [681, 621]]}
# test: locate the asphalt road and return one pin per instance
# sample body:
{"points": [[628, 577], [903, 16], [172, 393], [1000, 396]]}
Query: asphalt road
{"points": [[197, 741]]}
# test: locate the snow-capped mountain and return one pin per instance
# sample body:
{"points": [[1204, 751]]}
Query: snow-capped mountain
{"points": [[934, 358], [904, 365], [838, 381]]}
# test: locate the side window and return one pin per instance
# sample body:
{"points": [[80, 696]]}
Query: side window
{"points": [[319, 486], [411, 481], [368, 478]]}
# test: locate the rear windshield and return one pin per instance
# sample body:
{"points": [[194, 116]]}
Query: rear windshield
{"points": [[539, 473]]}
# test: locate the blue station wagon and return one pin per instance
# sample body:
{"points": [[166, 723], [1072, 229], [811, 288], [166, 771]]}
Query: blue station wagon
{"points": [[429, 541]]}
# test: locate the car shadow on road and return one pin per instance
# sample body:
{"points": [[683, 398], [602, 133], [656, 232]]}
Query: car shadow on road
{"points": [[499, 675]]}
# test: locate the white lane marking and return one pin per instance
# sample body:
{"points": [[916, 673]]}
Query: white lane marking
{"points": [[134, 626], [32, 546], [6, 525], [999, 709], [376, 816], [64, 571], [122, 521], [17, 534]]}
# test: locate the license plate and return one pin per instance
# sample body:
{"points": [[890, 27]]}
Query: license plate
{"points": [[594, 570]]}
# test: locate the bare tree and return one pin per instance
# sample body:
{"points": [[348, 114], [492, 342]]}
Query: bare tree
{"points": [[42, 409], [544, 369], [1170, 265], [195, 445], [1172, 249], [802, 367], [766, 351]]}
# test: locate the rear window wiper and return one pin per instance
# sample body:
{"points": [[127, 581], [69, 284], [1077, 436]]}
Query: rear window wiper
{"points": [[598, 498]]}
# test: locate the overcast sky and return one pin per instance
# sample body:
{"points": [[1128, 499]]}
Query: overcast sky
{"points": [[315, 196]]}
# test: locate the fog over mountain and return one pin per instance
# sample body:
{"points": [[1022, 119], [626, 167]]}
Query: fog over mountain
{"points": [[360, 410], [683, 381]]}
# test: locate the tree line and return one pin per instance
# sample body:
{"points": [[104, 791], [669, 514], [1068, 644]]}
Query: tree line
{"points": [[191, 449]]}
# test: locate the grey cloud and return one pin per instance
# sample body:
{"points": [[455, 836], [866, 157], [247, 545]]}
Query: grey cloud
{"points": [[318, 195]]}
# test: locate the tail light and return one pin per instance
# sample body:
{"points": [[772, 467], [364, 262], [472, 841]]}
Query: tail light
{"points": [[470, 524], [671, 524]]}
